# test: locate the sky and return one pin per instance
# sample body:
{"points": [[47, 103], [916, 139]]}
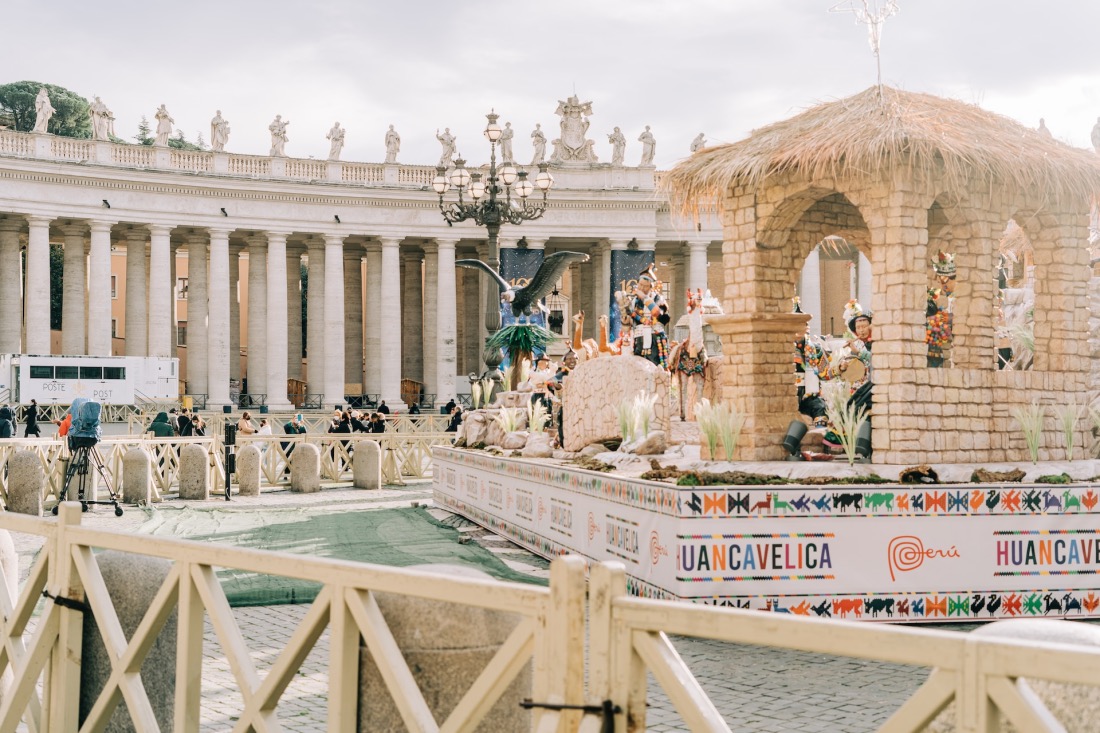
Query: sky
{"points": [[721, 67]]}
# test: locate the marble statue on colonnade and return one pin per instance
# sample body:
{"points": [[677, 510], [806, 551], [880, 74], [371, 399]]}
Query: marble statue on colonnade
{"points": [[573, 145], [103, 122], [219, 133], [43, 111], [698, 143], [393, 145], [335, 137], [649, 147], [1096, 135], [538, 139], [164, 127], [506, 136], [447, 140], [618, 147], [278, 137]]}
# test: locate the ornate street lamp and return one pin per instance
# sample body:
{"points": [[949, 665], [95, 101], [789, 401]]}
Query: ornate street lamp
{"points": [[489, 203]]}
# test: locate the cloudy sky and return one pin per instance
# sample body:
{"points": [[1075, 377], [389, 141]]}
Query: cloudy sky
{"points": [[722, 67]]}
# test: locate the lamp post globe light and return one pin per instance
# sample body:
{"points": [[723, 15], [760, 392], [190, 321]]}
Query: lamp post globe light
{"points": [[489, 202]]}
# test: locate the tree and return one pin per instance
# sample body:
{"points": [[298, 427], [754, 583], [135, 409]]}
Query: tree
{"points": [[70, 118], [144, 137], [180, 142]]}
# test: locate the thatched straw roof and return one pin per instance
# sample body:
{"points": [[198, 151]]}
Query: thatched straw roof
{"points": [[863, 134]]}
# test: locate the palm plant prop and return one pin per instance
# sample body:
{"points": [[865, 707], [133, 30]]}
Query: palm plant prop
{"points": [[1030, 418], [846, 419], [520, 341]]}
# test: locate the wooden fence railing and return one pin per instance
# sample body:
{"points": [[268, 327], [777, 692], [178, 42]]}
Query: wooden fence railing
{"points": [[47, 662], [627, 639]]}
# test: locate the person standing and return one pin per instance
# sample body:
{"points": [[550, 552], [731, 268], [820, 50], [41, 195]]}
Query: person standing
{"points": [[383, 408], [185, 424], [7, 422], [294, 427], [245, 426], [32, 421], [198, 427]]}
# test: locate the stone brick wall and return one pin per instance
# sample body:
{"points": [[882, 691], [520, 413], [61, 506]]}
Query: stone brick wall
{"points": [[956, 414]]}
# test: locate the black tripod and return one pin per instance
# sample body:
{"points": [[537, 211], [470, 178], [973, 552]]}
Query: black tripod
{"points": [[84, 457]]}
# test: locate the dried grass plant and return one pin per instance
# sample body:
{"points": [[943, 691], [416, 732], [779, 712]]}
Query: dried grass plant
{"points": [[643, 412], [1031, 418], [707, 419], [508, 418], [845, 418], [627, 420], [487, 386], [1068, 416], [475, 395], [537, 416], [730, 422]]}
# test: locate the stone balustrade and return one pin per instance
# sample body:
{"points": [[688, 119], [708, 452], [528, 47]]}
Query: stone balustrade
{"points": [[52, 147]]}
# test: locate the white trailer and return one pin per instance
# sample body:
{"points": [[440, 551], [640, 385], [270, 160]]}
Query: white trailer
{"points": [[109, 380]]}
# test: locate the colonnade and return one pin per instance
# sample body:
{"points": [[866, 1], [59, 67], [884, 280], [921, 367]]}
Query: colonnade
{"points": [[379, 308]]}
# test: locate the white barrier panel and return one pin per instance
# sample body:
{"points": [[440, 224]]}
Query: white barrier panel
{"points": [[903, 553]]}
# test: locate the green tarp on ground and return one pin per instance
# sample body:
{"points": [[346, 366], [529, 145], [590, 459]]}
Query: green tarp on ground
{"points": [[393, 537]]}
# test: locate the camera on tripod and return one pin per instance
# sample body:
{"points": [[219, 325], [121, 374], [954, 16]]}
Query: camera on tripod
{"points": [[84, 436]]}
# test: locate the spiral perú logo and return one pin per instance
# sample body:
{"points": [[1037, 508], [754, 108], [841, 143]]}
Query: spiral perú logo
{"points": [[656, 549], [907, 553], [593, 528]]}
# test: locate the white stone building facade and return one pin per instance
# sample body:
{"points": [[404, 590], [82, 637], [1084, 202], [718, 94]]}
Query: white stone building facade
{"points": [[385, 300]]}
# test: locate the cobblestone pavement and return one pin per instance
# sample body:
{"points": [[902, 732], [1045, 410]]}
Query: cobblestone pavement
{"points": [[755, 688]]}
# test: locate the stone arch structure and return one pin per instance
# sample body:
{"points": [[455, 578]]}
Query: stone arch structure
{"points": [[844, 159]]}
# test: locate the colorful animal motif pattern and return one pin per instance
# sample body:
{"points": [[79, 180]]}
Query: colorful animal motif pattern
{"points": [[945, 500], [907, 607]]}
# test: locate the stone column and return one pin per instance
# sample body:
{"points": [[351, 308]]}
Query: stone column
{"points": [[75, 286], [600, 252], [11, 288], [197, 378], [37, 313], [315, 317], [677, 303], [372, 377], [587, 292], [473, 341], [294, 313], [697, 265], [482, 283], [235, 315], [99, 290], [277, 315], [161, 292], [353, 316], [257, 314], [389, 318], [412, 317], [429, 335], [173, 306], [334, 320], [446, 365], [217, 357], [137, 302]]}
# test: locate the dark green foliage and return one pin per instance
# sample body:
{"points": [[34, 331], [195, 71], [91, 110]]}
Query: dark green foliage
{"points": [[521, 339], [1061, 478], [144, 136], [57, 269], [70, 118]]}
